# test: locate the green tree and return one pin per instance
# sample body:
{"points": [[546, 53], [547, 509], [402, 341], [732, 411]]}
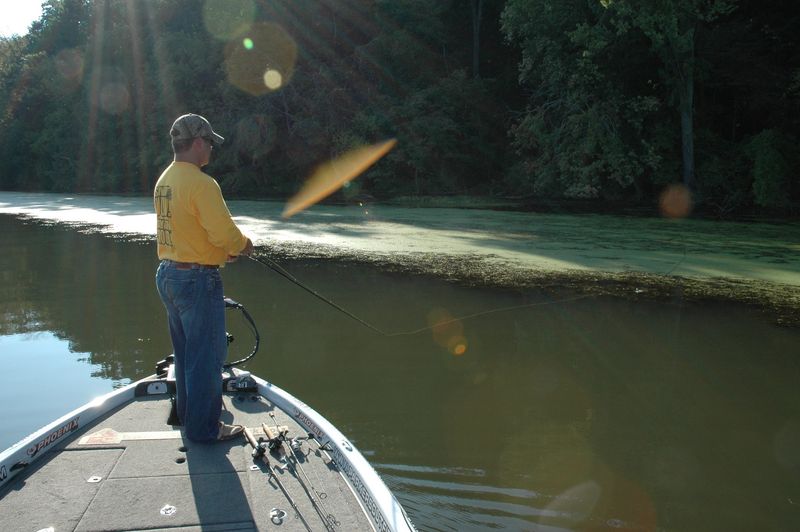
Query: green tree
{"points": [[770, 152], [583, 132], [12, 92], [600, 99], [672, 26]]}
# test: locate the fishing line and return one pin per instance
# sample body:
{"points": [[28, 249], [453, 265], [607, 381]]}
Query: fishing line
{"points": [[683, 258], [283, 273], [492, 311]]}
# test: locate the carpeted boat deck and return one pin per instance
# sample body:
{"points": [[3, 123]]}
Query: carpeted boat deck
{"points": [[133, 471]]}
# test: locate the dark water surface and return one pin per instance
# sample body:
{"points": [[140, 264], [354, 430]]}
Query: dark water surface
{"points": [[572, 412]]}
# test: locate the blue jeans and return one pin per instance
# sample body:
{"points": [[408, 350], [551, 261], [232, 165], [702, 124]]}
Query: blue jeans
{"points": [[196, 313]]}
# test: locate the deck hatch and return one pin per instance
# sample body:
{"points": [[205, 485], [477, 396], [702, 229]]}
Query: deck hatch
{"points": [[58, 494], [216, 500]]}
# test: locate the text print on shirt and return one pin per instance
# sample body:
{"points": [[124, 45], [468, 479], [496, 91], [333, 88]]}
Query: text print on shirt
{"points": [[163, 199]]}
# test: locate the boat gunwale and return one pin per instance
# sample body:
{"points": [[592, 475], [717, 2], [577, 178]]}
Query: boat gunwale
{"points": [[377, 501], [56, 434]]}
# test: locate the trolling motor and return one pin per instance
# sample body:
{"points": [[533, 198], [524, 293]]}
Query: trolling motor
{"points": [[238, 381]]}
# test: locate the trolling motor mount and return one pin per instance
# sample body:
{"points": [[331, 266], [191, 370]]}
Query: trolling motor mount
{"points": [[162, 366], [241, 382]]}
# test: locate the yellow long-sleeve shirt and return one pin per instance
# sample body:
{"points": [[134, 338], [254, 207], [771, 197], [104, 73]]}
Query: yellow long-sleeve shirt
{"points": [[194, 223]]}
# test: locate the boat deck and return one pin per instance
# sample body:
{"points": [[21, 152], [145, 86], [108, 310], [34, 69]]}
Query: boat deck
{"points": [[130, 470]]}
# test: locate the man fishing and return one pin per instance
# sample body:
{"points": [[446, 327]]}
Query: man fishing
{"points": [[196, 236]]}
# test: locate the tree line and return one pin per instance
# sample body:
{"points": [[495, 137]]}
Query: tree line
{"points": [[600, 101]]}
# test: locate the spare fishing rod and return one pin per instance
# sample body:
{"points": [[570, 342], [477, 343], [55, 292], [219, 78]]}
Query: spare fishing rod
{"points": [[326, 515], [260, 452]]}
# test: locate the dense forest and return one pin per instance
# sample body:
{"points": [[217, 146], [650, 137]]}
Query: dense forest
{"points": [[597, 101]]}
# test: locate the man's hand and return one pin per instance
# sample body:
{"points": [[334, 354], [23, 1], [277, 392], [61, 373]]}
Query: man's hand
{"points": [[248, 248], [247, 251]]}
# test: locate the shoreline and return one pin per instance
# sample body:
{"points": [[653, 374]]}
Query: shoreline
{"points": [[777, 302], [643, 210], [752, 264]]}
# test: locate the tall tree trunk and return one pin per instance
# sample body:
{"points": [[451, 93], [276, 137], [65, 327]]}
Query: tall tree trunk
{"points": [[686, 92], [477, 13], [687, 129]]}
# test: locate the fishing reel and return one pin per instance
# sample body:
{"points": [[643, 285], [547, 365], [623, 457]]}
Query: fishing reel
{"points": [[273, 443]]}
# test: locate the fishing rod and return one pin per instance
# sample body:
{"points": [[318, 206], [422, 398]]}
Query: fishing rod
{"points": [[272, 265], [298, 465], [279, 441], [260, 452]]}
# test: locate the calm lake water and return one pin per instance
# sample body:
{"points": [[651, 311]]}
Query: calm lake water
{"points": [[567, 412]]}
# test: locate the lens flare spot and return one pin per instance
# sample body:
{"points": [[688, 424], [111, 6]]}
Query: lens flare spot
{"points": [[114, 98], [273, 79], [255, 137], [457, 345], [224, 19], [69, 64], [267, 48], [447, 331], [676, 201]]}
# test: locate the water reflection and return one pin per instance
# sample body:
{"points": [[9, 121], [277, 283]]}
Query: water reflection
{"points": [[42, 379], [593, 413], [86, 289]]}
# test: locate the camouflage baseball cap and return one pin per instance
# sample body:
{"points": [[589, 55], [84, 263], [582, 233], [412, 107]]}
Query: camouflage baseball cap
{"points": [[192, 126]]}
